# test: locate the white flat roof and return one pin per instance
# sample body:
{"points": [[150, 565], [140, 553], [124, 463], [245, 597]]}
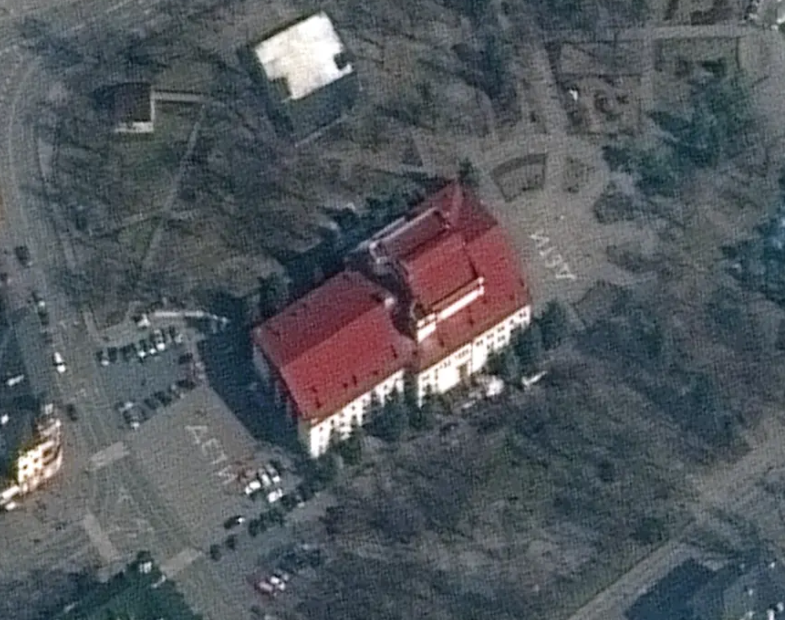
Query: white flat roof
{"points": [[304, 55]]}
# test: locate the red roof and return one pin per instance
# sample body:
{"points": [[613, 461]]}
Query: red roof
{"points": [[437, 268], [437, 261], [334, 344], [340, 340], [505, 292]]}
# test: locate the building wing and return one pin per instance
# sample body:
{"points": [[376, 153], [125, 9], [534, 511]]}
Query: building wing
{"points": [[334, 344]]}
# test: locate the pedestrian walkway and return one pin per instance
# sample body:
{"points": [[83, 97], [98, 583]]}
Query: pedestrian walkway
{"points": [[109, 554]]}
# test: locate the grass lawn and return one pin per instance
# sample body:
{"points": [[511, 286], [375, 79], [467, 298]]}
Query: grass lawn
{"points": [[145, 165], [131, 594], [135, 238]]}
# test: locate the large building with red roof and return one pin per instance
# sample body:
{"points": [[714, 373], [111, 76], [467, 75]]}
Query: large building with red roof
{"points": [[426, 300]]}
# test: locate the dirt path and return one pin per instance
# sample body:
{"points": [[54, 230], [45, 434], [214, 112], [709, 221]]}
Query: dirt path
{"points": [[730, 488]]}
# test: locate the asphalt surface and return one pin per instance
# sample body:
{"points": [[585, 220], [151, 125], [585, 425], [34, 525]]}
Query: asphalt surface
{"points": [[133, 381], [120, 486]]}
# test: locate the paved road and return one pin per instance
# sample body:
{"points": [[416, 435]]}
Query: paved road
{"points": [[120, 487]]}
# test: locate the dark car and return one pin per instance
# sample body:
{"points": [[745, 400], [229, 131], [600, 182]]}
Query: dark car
{"points": [[38, 301], [22, 253], [127, 352], [234, 521], [186, 384], [163, 398], [289, 502], [293, 563], [112, 354], [100, 358], [175, 391], [71, 412], [306, 492], [43, 316], [186, 358], [174, 335]]}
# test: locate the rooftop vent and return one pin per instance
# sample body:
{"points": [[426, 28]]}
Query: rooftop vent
{"points": [[342, 60]]}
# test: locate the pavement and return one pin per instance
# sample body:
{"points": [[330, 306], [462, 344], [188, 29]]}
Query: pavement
{"points": [[120, 506], [564, 249], [113, 510]]}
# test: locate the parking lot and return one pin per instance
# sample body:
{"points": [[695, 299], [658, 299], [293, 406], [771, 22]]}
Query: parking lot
{"points": [[141, 385], [196, 454]]}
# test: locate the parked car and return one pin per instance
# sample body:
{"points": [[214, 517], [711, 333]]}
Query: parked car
{"points": [[124, 406], [151, 348], [234, 521], [43, 316], [141, 350], [299, 497], [185, 358], [282, 575], [133, 417], [59, 363], [158, 340], [38, 301], [175, 335], [252, 488], [306, 492], [71, 412], [265, 588], [112, 352], [288, 502], [127, 352], [186, 384], [22, 253], [274, 496], [293, 563], [151, 403], [278, 583], [275, 476], [175, 391], [264, 478], [101, 358]]}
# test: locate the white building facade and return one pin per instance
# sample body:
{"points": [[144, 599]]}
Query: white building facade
{"points": [[448, 285], [471, 358]]}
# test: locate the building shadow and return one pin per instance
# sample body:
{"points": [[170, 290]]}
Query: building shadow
{"points": [[229, 369]]}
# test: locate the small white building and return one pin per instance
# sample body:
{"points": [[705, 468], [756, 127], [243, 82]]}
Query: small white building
{"points": [[131, 106], [308, 74], [426, 300]]}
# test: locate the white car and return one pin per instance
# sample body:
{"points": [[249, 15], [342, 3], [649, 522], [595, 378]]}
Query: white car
{"points": [[59, 363], [278, 583], [274, 496], [252, 487], [159, 340], [125, 406], [265, 479], [282, 575], [266, 588], [274, 475]]}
